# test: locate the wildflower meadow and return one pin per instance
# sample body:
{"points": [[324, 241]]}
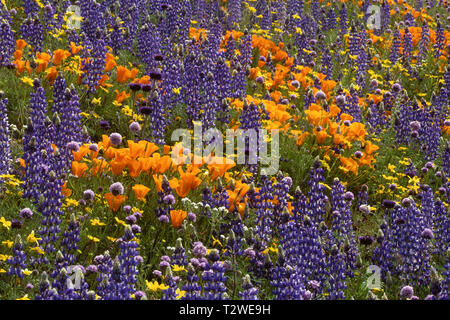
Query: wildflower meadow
{"points": [[224, 150]]}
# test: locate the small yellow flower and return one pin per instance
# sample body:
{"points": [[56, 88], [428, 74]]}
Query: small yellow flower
{"points": [[7, 243], [32, 238], [38, 250], [28, 81], [121, 222], [94, 239], [177, 268], [6, 224], [96, 100], [97, 222], [25, 297]]}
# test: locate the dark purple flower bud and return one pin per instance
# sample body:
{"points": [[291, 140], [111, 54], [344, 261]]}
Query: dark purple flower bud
{"points": [[415, 125], [396, 87], [116, 188], [88, 195], [136, 228], [388, 203], [163, 218], [349, 196], [127, 208], [392, 186], [104, 124], [92, 268], [116, 138], [259, 80], [414, 134], [191, 216], [157, 273], [358, 154], [320, 95], [163, 265], [73, 146], [93, 147], [26, 213], [145, 110], [131, 219], [169, 199], [406, 202], [138, 295], [135, 127], [135, 86], [406, 292], [16, 224], [427, 234], [295, 84], [340, 100]]}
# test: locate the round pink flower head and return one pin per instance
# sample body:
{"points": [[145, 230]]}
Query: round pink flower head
{"points": [[115, 138], [116, 188], [407, 292]]}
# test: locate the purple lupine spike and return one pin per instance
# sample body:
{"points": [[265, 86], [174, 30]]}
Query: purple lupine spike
{"points": [[441, 228], [343, 226], [327, 64], [316, 196], [337, 270], [213, 278], [165, 199], [33, 32], [407, 46], [169, 280], [117, 34], [18, 259], [7, 43], [93, 63], [249, 292], [129, 260], [106, 286], [411, 244], [385, 14], [440, 40], [343, 19], [50, 208], [445, 285], [191, 286], [234, 11], [30, 7], [179, 256], [36, 147], [424, 42], [354, 108], [45, 289], [395, 47], [446, 159], [70, 240], [5, 148]]}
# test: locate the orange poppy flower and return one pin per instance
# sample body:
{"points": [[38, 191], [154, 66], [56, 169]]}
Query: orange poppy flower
{"points": [[177, 217], [21, 44], [79, 168], [42, 59], [52, 73], [59, 55], [140, 191], [110, 62], [188, 181], [74, 48], [66, 192], [121, 96], [114, 202]]}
